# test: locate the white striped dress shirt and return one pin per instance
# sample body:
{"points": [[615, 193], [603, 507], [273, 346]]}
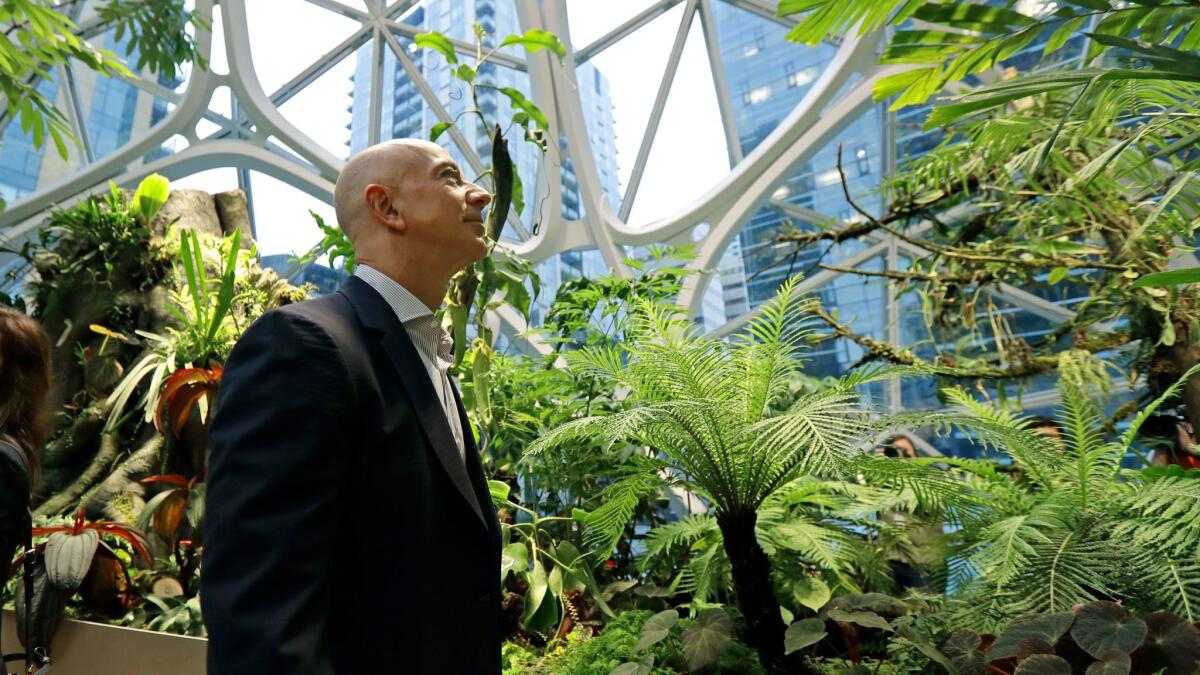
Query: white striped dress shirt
{"points": [[432, 341]]}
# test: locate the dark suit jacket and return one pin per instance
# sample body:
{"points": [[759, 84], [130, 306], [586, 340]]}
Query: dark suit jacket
{"points": [[343, 533]]}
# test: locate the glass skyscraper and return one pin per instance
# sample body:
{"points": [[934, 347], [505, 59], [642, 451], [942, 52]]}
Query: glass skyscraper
{"points": [[768, 77]]}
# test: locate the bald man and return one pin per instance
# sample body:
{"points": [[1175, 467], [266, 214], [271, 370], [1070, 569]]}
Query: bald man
{"points": [[348, 525]]}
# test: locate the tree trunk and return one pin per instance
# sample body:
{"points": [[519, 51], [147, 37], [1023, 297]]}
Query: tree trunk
{"points": [[755, 594], [110, 448]]}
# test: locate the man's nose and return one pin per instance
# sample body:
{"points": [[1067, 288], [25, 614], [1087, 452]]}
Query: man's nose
{"points": [[477, 195]]}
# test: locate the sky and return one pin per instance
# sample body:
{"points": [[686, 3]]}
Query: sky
{"points": [[687, 158]]}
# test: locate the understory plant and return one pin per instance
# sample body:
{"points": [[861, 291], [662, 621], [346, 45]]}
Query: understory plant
{"points": [[703, 409], [1073, 527]]}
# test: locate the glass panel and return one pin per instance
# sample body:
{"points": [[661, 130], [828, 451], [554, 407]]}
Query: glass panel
{"points": [[281, 219], [23, 167], [310, 31], [321, 110], [589, 20], [767, 74], [689, 155], [634, 68]]}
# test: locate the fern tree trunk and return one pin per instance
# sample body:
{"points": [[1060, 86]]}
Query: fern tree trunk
{"points": [[755, 594]]}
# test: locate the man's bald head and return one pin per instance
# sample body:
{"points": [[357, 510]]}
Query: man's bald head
{"points": [[383, 164]]}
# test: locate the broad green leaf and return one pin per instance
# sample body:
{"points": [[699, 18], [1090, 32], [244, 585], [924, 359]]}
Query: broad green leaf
{"points": [[150, 195], [1168, 278], [513, 558], [811, 592], [707, 638], [535, 40], [1043, 664], [972, 16], [864, 619], [1048, 627], [1101, 626], [439, 43], [803, 633], [535, 596], [1057, 274], [656, 629], [499, 490]]}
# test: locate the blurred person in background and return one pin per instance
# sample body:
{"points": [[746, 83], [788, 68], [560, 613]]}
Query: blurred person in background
{"points": [[24, 421]]}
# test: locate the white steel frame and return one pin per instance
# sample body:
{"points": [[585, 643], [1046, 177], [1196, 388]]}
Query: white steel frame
{"points": [[258, 137]]}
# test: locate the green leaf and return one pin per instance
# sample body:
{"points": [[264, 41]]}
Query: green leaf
{"points": [[535, 40], [864, 619], [1048, 627], [513, 558], [1114, 663], [1057, 274], [707, 638], [150, 195], [962, 648], [465, 73], [656, 629], [972, 16], [1171, 642], [225, 294], [520, 102], [439, 43], [539, 586], [499, 490], [1101, 626], [811, 592], [803, 633], [1063, 33], [1168, 278], [439, 129], [1043, 664]]}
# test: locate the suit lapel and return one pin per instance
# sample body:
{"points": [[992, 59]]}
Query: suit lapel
{"points": [[475, 470], [377, 314]]}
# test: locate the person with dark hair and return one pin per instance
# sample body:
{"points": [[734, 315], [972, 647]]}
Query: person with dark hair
{"points": [[24, 421], [1048, 427], [1173, 440], [898, 445], [919, 551]]}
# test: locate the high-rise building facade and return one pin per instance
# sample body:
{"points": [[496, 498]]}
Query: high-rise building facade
{"points": [[768, 77], [110, 110], [405, 113]]}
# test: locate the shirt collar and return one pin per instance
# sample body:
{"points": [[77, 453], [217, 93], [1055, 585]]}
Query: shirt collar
{"points": [[406, 305], [426, 333]]}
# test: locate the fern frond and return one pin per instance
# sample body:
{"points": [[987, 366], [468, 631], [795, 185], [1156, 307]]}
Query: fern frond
{"points": [[606, 524], [666, 538], [1144, 414]]}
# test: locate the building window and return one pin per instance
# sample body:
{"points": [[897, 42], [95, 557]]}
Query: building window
{"points": [[863, 161], [799, 78], [758, 94]]}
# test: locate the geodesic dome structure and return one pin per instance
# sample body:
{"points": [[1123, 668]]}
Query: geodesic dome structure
{"points": [[225, 117]]}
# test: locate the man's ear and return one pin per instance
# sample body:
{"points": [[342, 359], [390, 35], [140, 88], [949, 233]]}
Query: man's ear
{"points": [[382, 207]]}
